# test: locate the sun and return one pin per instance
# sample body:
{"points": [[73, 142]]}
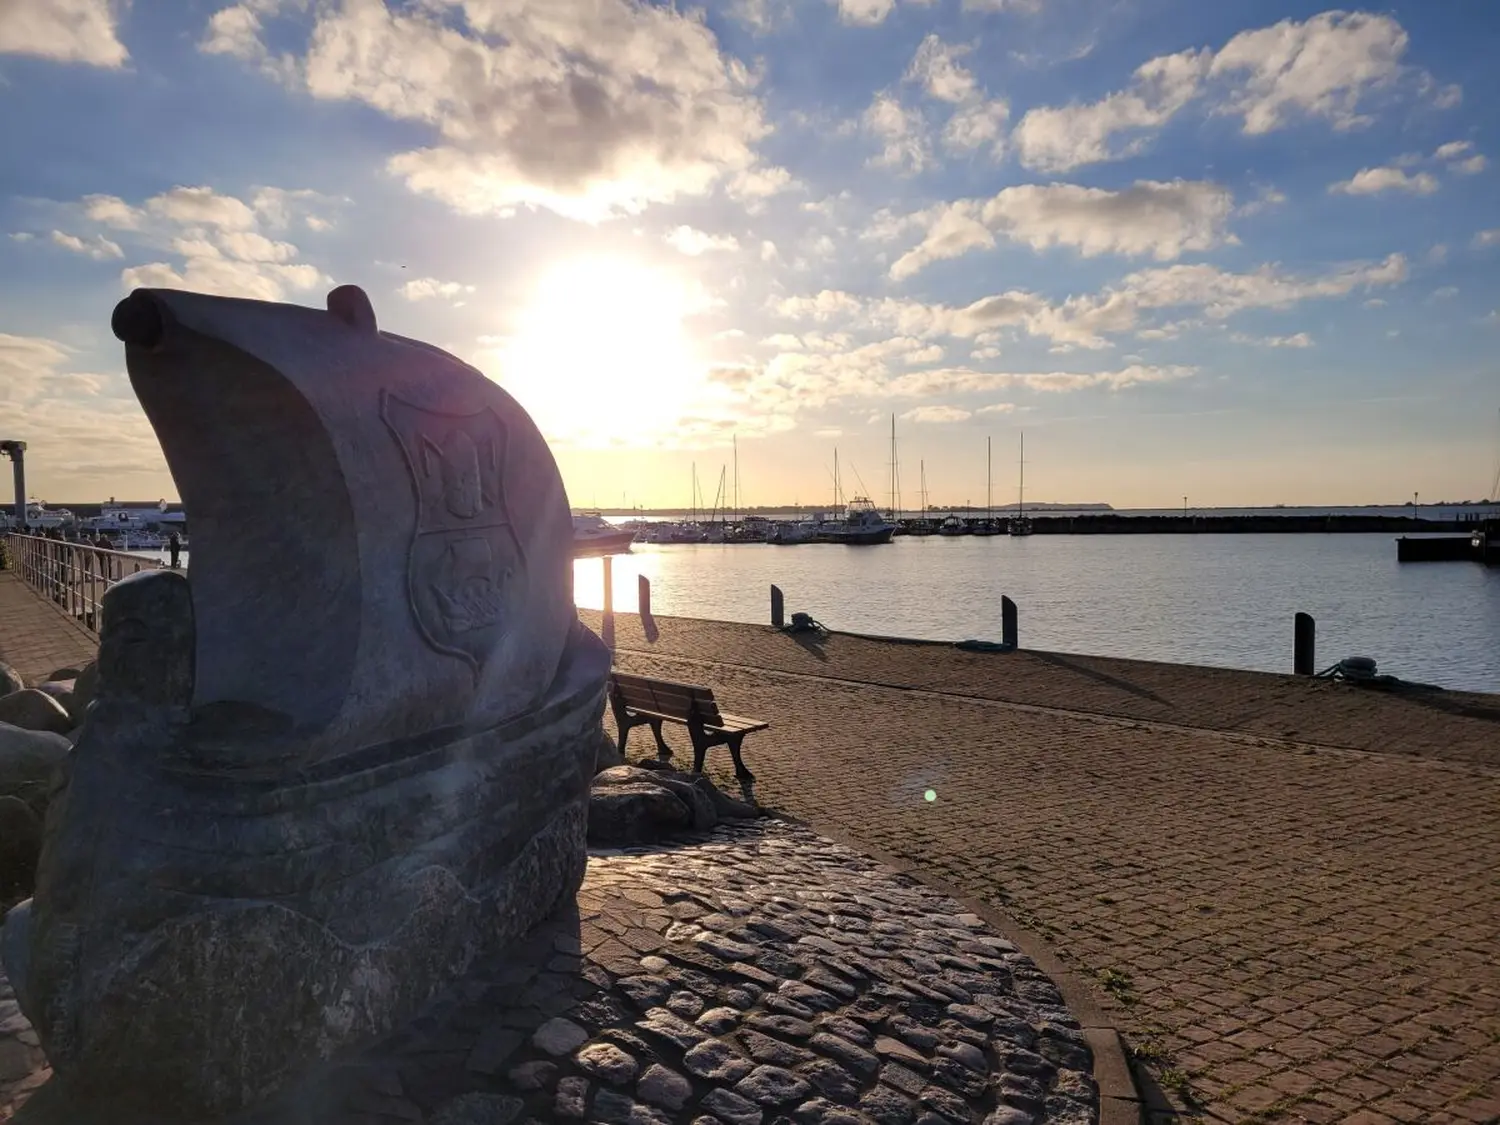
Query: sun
{"points": [[601, 353]]}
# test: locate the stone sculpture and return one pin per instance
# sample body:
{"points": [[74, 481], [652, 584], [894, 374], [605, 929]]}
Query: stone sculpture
{"points": [[343, 756]]}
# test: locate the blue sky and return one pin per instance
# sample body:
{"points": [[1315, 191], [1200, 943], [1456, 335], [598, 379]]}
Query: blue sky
{"points": [[1244, 251]]}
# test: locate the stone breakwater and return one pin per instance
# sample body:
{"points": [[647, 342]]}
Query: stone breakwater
{"points": [[752, 975]]}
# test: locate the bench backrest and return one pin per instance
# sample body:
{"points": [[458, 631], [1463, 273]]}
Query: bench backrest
{"points": [[679, 701]]}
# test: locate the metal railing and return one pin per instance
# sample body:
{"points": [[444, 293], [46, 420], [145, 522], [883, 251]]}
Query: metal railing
{"points": [[72, 575]]}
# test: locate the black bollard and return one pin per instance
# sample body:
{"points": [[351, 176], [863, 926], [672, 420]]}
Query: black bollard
{"points": [[778, 609], [648, 623], [1008, 622], [1304, 645]]}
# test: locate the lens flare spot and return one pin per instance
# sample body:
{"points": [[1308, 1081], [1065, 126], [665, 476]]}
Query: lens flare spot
{"points": [[930, 795]]}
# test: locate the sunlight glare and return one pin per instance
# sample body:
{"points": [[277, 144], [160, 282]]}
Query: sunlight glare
{"points": [[601, 352]]}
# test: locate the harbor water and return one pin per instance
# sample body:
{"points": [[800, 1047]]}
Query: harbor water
{"points": [[1225, 600]]}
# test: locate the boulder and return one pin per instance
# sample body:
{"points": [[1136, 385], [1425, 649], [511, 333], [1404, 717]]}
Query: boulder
{"points": [[84, 686], [28, 759], [62, 691], [609, 752], [635, 813], [311, 791], [20, 846], [10, 679], [64, 674], [33, 709], [725, 806]]}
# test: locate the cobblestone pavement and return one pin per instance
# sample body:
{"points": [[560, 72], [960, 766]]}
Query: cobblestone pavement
{"points": [[1285, 929], [35, 636], [755, 974]]}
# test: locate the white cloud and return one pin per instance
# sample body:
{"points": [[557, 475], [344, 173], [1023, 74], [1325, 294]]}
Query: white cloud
{"points": [[82, 31], [590, 108], [977, 124], [1159, 219], [1470, 166], [430, 288], [864, 13], [1088, 321], [1327, 67], [1372, 181], [1269, 197], [687, 240], [96, 246], [25, 361], [1029, 7], [112, 211], [1485, 238], [202, 205], [997, 408], [1452, 150], [1298, 340], [214, 237], [761, 16], [768, 251], [937, 414], [21, 236], [901, 131], [936, 67]]}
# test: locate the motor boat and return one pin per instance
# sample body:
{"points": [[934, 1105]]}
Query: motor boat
{"points": [[789, 532], [953, 526], [862, 525], [594, 535]]}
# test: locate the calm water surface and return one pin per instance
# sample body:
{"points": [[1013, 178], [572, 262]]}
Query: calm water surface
{"points": [[1224, 600]]}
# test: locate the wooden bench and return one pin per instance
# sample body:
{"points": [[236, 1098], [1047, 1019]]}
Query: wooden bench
{"points": [[638, 700]]}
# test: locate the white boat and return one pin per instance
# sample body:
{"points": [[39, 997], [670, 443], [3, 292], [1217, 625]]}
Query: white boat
{"points": [[1020, 525], [862, 525], [953, 526], [789, 532], [593, 534], [38, 515]]}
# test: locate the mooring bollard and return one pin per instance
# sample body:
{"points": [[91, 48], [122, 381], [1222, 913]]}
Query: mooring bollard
{"points": [[1008, 622], [643, 584], [778, 608], [1304, 644]]}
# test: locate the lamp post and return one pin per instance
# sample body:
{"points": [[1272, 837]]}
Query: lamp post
{"points": [[16, 451]]}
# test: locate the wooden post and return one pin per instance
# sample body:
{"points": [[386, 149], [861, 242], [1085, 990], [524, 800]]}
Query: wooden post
{"points": [[778, 609], [643, 586], [1008, 623], [1304, 645], [608, 628]]}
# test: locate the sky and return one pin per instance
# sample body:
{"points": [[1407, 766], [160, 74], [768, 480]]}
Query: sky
{"points": [[1244, 252]]}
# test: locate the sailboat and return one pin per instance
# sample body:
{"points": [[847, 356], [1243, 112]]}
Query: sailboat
{"points": [[861, 525], [922, 525], [1020, 525], [988, 525]]}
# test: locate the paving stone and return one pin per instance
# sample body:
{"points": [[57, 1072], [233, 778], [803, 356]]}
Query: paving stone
{"points": [[478, 1109], [726, 948], [888, 1107], [607, 1062], [617, 1109], [663, 1087], [645, 991], [731, 1108], [788, 1026], [688, 1005], [768, 1049], [717, 1061], [716, 1021], [535, 1075], [966, 1054], [672, 1028], [902, 1078], [832, 1081], [856, 1058], [820, 1112], [946, 1103], [572, 1098], [558, 1037], [496, 1044], [772, 1086], [888, 1048]]}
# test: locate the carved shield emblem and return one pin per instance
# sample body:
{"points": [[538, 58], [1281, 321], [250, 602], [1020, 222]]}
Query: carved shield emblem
{"points": [[465, 555]]}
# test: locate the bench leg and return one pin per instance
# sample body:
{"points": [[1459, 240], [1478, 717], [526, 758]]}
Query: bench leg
{"points": [[742, 771], [663, 751]]}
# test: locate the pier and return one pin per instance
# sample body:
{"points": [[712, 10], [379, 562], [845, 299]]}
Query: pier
{"points": [[1281, 890]]}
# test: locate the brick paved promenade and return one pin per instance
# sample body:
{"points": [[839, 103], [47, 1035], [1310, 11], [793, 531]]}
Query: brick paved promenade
{"points": [[1288, 892], [35, 636]]}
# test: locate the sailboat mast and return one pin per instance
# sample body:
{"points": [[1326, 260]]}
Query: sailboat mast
{"points": [[1021, 491], [894, 513], [735, 439], [989, 475], [924, 489]]}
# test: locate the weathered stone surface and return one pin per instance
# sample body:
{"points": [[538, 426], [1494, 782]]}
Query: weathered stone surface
{"points": [[20, 846], [34, 709], [559, 1036], [28, 759], [478, 1109], [10, 680], [572, 1098], [84, 687], [607, 1062], [663, 1087], [772, 1086], [732, 1108], [309, 795], [635, 813], [717, 1061]]}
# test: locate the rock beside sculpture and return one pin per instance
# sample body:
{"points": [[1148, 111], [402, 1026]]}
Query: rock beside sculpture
{"points": [[33, 709], [10, 679], [641, 805], [29, 763], [308, 793]]}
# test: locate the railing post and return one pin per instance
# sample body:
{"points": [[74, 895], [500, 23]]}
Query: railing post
{"points": [[608, 628], [778, 608], [1008, 625], [1305, 631]]}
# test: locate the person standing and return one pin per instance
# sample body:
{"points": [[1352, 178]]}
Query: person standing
{"points": [[174, 548]]}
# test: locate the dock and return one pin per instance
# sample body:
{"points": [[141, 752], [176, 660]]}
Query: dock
{"points": [[1284, 891]]}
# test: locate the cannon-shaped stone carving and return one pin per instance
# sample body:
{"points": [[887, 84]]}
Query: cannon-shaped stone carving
{"points": [[345, 755]]}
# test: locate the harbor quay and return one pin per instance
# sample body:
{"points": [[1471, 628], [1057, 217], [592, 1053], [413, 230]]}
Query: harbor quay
{"points": [[1283, 891]]}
